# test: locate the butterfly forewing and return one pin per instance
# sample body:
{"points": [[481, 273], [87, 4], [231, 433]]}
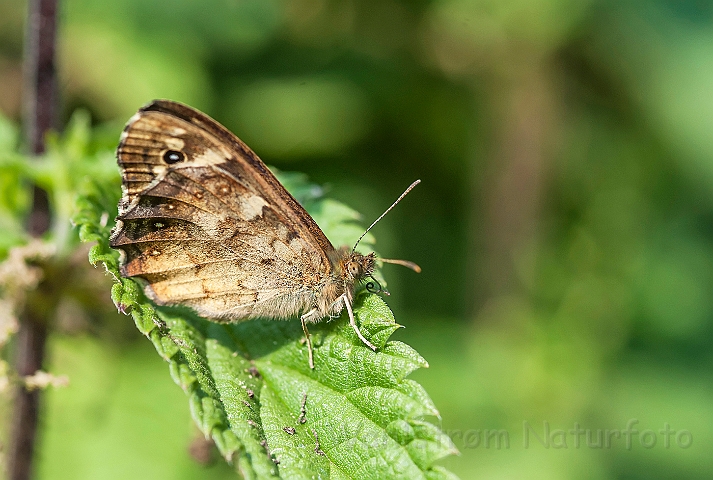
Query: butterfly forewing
{"points": [[206, 225]]}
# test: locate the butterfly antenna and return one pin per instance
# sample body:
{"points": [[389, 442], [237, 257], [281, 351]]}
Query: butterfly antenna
{"points": [[387, 211]]}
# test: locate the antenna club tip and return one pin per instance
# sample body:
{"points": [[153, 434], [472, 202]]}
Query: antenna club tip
{"points": [[387, 211], [403, 263]]}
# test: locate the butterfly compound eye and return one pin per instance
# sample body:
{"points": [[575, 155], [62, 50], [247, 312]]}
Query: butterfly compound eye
{"points": [[173, 156]]}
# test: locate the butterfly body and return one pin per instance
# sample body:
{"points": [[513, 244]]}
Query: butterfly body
{"points": [[205, 224]]}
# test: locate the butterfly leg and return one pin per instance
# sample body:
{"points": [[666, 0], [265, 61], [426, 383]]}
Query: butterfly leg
{"points": [[309, 342], [353, 323]]}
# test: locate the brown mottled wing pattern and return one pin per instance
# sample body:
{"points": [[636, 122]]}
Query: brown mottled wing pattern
{"points": [[207, 225]]}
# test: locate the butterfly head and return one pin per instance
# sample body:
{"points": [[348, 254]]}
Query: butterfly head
{"points": [[356, 266]]}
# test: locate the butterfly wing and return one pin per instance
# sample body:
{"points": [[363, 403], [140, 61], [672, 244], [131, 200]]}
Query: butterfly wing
{"points": [[206, 224]]}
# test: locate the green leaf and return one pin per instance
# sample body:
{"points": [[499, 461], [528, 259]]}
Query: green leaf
{"points": [[251, 390], [14, 189], [70, 159]]}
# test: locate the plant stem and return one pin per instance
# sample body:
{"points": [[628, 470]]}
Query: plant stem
{"points": [[39, 96], [30, 352]]}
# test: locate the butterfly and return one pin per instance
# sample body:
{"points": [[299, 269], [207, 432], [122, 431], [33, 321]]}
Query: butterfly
{"points": [[205, 224]]}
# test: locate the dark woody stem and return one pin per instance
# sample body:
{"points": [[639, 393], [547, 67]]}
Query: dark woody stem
{"points": [[39, 107]]}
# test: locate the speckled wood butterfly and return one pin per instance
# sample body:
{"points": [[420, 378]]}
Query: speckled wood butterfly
{"points": [[205, 224]]}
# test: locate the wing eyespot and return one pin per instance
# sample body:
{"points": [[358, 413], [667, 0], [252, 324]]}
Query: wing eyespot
{"points": [[173, 156]]}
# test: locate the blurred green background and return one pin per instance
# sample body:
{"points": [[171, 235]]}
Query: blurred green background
{"points": [[564, 223]]}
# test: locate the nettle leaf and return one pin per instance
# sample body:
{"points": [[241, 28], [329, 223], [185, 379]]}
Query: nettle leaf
{"points": [[251, 390]]}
